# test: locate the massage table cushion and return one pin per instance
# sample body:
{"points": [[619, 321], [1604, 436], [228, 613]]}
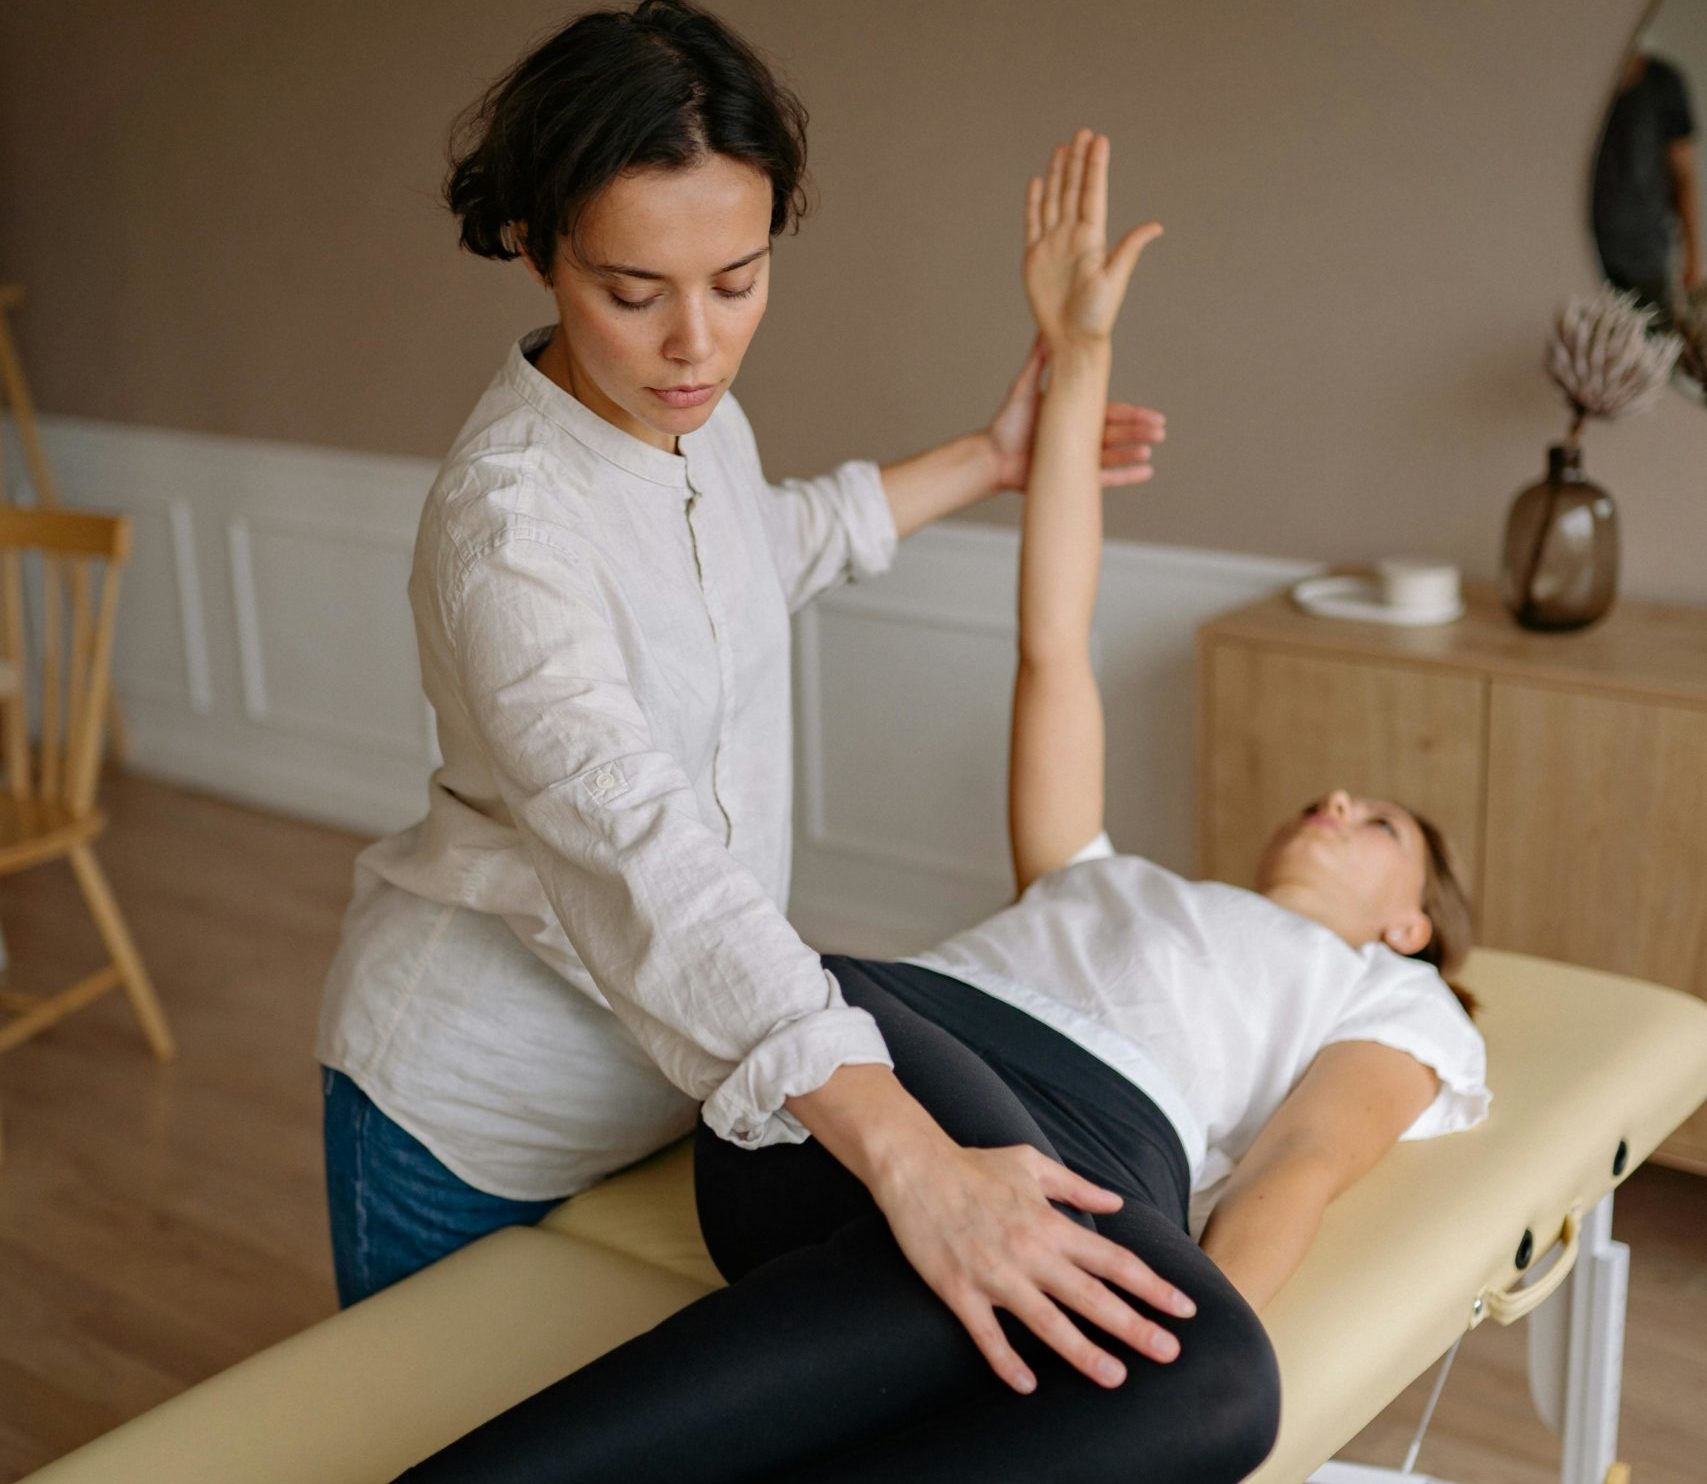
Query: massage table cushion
{"points": [[1579, 1063]]}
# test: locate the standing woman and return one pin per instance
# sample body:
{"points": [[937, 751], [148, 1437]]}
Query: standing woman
{"points": [[584, 938]]}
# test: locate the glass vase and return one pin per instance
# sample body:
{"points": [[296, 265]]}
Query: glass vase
{"points": [[1560, 565]]}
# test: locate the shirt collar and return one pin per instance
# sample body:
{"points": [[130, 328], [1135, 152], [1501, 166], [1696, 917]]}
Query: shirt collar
{"points": [[584, 425]]}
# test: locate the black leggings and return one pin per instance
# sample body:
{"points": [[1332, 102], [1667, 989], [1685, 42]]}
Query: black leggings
{"points": [[828, 1359]]}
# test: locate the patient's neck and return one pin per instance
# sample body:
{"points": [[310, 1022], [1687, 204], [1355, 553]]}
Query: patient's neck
{"points": [[1329, 909]]}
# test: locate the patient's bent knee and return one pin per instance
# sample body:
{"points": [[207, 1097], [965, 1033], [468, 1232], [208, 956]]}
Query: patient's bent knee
{"points": [[1252, 1431], [1210, 1417], [1228, 1398], [1244, 1410]]}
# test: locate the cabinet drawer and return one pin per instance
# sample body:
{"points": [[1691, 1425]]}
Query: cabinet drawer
{"points": [[1282, 728], [1596, 847], [1597, 832]]}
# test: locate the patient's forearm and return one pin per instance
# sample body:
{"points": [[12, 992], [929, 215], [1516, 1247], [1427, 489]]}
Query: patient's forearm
{"points": [[1264, 1224], [1062, 545]]}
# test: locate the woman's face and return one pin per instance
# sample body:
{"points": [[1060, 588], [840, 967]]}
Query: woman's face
{"points": [[1367, 854], [671, 283]]}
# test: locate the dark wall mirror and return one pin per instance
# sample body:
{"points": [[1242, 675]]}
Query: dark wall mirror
{"points": [[1649, 194]]}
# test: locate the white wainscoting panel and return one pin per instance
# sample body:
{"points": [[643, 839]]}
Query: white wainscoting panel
{"points": [[265, 649], [266, 653], [903, 687]]}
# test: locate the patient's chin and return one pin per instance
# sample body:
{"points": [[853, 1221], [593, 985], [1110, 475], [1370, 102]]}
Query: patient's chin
{"points": [[1293, 845]]}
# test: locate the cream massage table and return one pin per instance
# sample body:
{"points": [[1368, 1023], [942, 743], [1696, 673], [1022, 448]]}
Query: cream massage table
{"points": [[1589, 1073]]}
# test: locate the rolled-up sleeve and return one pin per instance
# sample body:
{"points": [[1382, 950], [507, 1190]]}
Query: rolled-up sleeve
{"points": [[681, 939], [829, 530], [825, 531]]}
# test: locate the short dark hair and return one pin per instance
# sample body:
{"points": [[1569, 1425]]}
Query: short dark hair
{"points": [[663, 85]]}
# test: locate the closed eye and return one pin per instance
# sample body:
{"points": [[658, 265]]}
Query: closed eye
{"points": [[639, 304]]}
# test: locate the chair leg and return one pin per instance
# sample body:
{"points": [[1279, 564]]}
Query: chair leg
{"points": [[138, 988], [118, 740]]}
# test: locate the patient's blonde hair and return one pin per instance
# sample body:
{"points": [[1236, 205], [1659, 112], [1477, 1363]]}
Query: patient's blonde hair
{"points": [[1446, 904]]}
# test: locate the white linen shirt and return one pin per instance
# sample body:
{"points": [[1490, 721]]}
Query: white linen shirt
{"points": [[585, 937]]}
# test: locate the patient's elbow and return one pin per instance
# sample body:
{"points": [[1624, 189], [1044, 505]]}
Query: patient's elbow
{"points": [[1047, 658]]}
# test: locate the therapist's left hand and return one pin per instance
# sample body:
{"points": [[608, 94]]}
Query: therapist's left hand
{"points": [[1128, 432]]}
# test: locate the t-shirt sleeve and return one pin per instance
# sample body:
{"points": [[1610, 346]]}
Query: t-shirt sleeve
{"points": [[1101, 848], [1406, 1005]]}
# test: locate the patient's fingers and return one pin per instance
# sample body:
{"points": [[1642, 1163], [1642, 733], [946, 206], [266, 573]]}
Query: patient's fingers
{"points": [[1124, 258], [1033, 210], [1093, 204], [1052, 187], [1072, 189]]}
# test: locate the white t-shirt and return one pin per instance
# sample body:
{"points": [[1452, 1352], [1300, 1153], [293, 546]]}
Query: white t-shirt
{"points": [[1211, 999]]}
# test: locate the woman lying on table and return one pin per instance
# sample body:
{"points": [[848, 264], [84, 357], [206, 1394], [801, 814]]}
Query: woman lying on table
{"points": [[1168, 1045]]}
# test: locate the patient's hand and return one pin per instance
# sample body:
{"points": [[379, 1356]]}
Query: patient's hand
{"points": [[1075, 284], [1128, 431]]}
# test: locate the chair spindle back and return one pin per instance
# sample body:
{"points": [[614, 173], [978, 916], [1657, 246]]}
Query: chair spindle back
{"points": [[57, 761]]}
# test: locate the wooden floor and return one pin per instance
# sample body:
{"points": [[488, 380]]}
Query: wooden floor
{"points": [[159, 1223]]}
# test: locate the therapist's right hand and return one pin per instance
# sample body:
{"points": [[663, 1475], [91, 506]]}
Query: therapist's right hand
{"points": [[979, 1227]]}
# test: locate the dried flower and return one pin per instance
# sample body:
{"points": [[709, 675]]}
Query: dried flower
{"points": [[1604, 358], [1690, 320]]}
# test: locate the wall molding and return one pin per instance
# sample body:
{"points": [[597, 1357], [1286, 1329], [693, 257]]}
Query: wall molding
{"points": [[812, 825], [231, 537], [192, 622], [952, 592], [251, 663], [902, 683]]}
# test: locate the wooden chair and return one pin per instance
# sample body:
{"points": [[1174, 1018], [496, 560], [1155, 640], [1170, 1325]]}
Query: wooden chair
{"points": [[15, 395], [47, 794]]}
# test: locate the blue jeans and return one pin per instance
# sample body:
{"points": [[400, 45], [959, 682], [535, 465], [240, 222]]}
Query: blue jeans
{"points": [[395, 1208]]}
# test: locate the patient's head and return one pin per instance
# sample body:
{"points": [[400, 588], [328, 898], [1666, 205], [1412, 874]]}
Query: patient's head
{"points": [[1374, 872]]}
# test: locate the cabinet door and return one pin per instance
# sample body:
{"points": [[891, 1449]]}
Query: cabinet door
{"points": [[1281, 729], [1597, 841]]}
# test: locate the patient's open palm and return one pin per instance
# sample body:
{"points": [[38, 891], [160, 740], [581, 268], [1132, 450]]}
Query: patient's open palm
{"points": [[1075, 283]]}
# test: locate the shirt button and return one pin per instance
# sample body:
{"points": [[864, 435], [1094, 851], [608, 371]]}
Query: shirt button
{"points": [[604, 778]]}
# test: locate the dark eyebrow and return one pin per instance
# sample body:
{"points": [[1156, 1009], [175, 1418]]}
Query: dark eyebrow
{"points": [[619, 269]]}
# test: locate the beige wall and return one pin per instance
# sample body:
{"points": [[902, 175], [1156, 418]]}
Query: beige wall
{"points": [[225, 213]]}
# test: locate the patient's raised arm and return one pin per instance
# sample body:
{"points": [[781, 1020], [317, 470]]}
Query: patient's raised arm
{"points": [[1075, 285]]}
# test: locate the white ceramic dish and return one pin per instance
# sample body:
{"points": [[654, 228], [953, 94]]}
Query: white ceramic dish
{"points": [[1360, 598]]}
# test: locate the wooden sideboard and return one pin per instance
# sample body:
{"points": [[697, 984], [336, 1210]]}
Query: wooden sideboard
{"points": [[1570, 770]]}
